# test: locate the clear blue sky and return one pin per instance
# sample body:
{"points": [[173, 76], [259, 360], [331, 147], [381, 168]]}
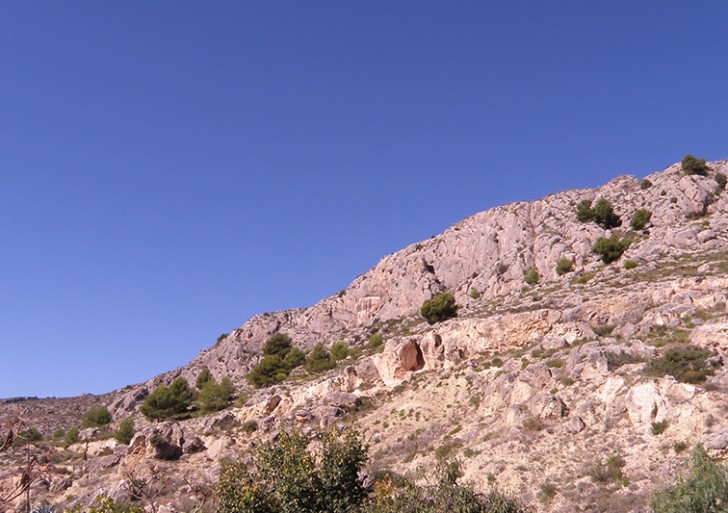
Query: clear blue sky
{"points": [[169, 169]]}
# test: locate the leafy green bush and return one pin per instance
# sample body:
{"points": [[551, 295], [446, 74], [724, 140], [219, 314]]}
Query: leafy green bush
{"points": [[319, 360], [720, 180], [269, 371], [474, 293], [603, 214], [339, 350], [611, 249], [692, 165], [645, 184], [640, 218], [563, 266], [376, 342], [280, 358], [202, 378], [287, 478], [167, 402], [441, 307], [96, 417], [215, 396], [684, 362], [584, 211], [278, 344], [71, 437], [704, 489], [630, 264], [125, 432], [531, 276]]}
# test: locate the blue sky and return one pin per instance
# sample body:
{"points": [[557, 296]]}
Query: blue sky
{"points": [[169, 169]]}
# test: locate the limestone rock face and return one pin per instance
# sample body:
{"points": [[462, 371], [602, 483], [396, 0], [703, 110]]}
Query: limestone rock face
{"points": [[163, 441]]}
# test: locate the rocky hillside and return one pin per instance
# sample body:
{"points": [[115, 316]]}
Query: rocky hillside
{"points": [[580, 392]]}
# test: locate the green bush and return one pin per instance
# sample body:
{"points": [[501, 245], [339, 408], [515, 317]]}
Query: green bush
{"points": [[376, 342], [319, 360], [202, 378], [280, 358], [71, 437], [610, 249], [531, 276], [269, 371], [215, 396], [604, 215], [125, 432], [640, 218], [692, 165], [684, 362], [339, 350], [167, 402], [659, 427], [27, 436], [704, 489], [474, 293], [563, 266], [287, 478], [645, 184], [96, 417], [720, 180], [630, 264], [584, 211], [278, 344], [609, 471], [440, 308]]}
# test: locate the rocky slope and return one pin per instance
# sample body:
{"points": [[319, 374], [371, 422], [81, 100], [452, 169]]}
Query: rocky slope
{"points": [[533, 387]]}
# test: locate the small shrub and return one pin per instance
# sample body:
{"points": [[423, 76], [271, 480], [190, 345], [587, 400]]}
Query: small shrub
{"points": [[319, 360], [679, 447], [659, 427], [686, 363], [609, 471], [547, 491], [441, 307], [584, 211], [604, 215], [250, 426], [640, 218], [474, 293], [563, 266], [215, 396], [27, 436], [584, 278], [125, 432], [221, 337], [167, 402], [376, 342], [202, 378], [71, 437], [630, 264], [610, 249], [339, 351], [280, 358], [692, 165], [703, 489], [555, 363], [720, 180], [645, 184], [531, 276], [96, 417], [604, 330], [533, 424]]}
